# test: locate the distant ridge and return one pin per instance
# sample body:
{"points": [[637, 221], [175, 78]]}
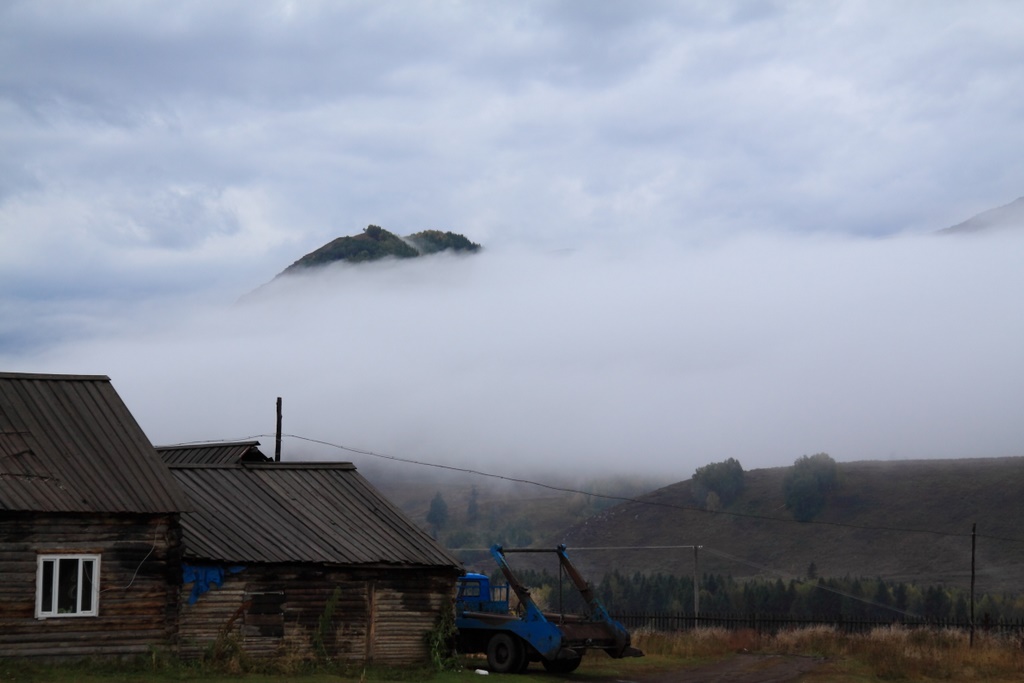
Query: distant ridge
{"points": [[376, 243], [862, 530], [1001, 218]]}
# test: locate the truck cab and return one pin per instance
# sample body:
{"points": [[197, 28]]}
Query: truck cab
{"points": [[476, 594]]}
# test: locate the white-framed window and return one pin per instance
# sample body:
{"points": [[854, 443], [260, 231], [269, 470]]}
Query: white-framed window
{"points": [[67, 586]]}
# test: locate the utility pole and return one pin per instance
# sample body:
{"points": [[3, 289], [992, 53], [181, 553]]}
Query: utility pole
{"points": [[277, 440], [974, 540], [696, 588]]}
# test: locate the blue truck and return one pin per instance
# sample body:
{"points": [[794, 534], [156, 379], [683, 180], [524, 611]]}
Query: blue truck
{"points": [[512, 639]]}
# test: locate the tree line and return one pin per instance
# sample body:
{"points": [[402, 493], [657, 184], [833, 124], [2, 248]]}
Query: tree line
{"points": [[849, 597]]}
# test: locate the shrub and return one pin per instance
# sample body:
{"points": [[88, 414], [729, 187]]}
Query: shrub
{"points": [[725, 479], [807, 484]]}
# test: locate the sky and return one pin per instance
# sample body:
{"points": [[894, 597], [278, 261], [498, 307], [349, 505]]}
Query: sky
{"points": [[707, 226]]}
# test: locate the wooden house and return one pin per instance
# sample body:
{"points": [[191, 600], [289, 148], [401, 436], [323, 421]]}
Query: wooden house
{"points": [[303, 559], [106, 550], [89, 523]]}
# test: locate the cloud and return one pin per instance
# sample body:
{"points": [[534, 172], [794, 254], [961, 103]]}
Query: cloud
{"points": [[538, 123], [651, 360], [676, 202]]}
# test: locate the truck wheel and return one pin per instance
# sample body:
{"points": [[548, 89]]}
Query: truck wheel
{"points": [[562, 666], [504, 654]]}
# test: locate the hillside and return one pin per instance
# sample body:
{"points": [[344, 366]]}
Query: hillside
{"points": [[875, 499], [878, 501], [376, 243], [483, 511], [1004, 217]]}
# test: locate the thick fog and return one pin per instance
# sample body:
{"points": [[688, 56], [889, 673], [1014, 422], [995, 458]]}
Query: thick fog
{"points": [[693, 214], [654, 359]]}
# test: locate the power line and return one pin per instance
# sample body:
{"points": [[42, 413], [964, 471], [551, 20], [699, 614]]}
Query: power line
{"points": [[623, 499]]}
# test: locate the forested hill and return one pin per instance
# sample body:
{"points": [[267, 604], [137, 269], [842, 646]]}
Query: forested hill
{"points": [[901, 521], [375, 243]]}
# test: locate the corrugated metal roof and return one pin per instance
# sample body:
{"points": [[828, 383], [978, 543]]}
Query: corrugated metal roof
{"points": [[298, 512], [226, 453], [69, 444]]}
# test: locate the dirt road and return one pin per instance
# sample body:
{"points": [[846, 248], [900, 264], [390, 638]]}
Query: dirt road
{"points": [[744, 668]]}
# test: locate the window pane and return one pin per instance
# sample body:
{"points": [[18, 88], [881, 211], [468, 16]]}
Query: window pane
{"points": [[46, 606], [88, 572], [67, 586]]}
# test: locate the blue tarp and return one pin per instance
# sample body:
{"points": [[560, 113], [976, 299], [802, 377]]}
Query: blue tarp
{"points": [[203, 577]]}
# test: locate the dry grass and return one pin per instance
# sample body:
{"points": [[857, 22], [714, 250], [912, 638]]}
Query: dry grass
{"points": [[888, 653], [696, 644], [915, 653]]}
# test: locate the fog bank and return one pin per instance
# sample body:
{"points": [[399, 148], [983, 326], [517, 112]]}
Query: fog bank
{"points": [[652, 359]]}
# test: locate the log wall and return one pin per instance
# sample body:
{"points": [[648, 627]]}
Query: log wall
{"points": [[140, 573], [380, 616]]}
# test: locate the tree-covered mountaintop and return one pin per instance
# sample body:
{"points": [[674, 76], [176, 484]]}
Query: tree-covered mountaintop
{"points": [[433, 241], [375, 243]]}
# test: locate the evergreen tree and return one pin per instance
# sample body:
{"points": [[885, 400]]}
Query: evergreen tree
{"points": [[961, 610], [472, 507], [437, 516], [724, 479], [900, 598], [936, 603], [882, 600], [807, 484]]}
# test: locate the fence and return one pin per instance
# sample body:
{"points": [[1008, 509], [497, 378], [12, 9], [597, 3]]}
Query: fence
{"points": [[770, 623]]}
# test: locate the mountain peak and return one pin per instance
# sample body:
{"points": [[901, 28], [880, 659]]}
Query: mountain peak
{"points": [[376, 243], [1000, 218]]}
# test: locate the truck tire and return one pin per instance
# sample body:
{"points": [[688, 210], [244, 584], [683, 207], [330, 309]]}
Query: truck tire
{"points": [[562, 666], [505, 654]]}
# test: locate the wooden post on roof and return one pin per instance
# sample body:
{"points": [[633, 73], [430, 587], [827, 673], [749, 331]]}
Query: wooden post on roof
{"points": [[277, 441]]}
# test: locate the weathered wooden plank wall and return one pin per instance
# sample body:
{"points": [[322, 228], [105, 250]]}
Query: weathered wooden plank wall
{"points": [[139, 578], [404, 612], [378, 615]]}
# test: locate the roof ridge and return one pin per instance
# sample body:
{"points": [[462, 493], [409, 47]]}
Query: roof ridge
{"points": [[283, 465], [206, 444], [49, 377]]}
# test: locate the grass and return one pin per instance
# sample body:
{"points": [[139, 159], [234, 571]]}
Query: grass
{"points": [[885, 654], [176, 672]]}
